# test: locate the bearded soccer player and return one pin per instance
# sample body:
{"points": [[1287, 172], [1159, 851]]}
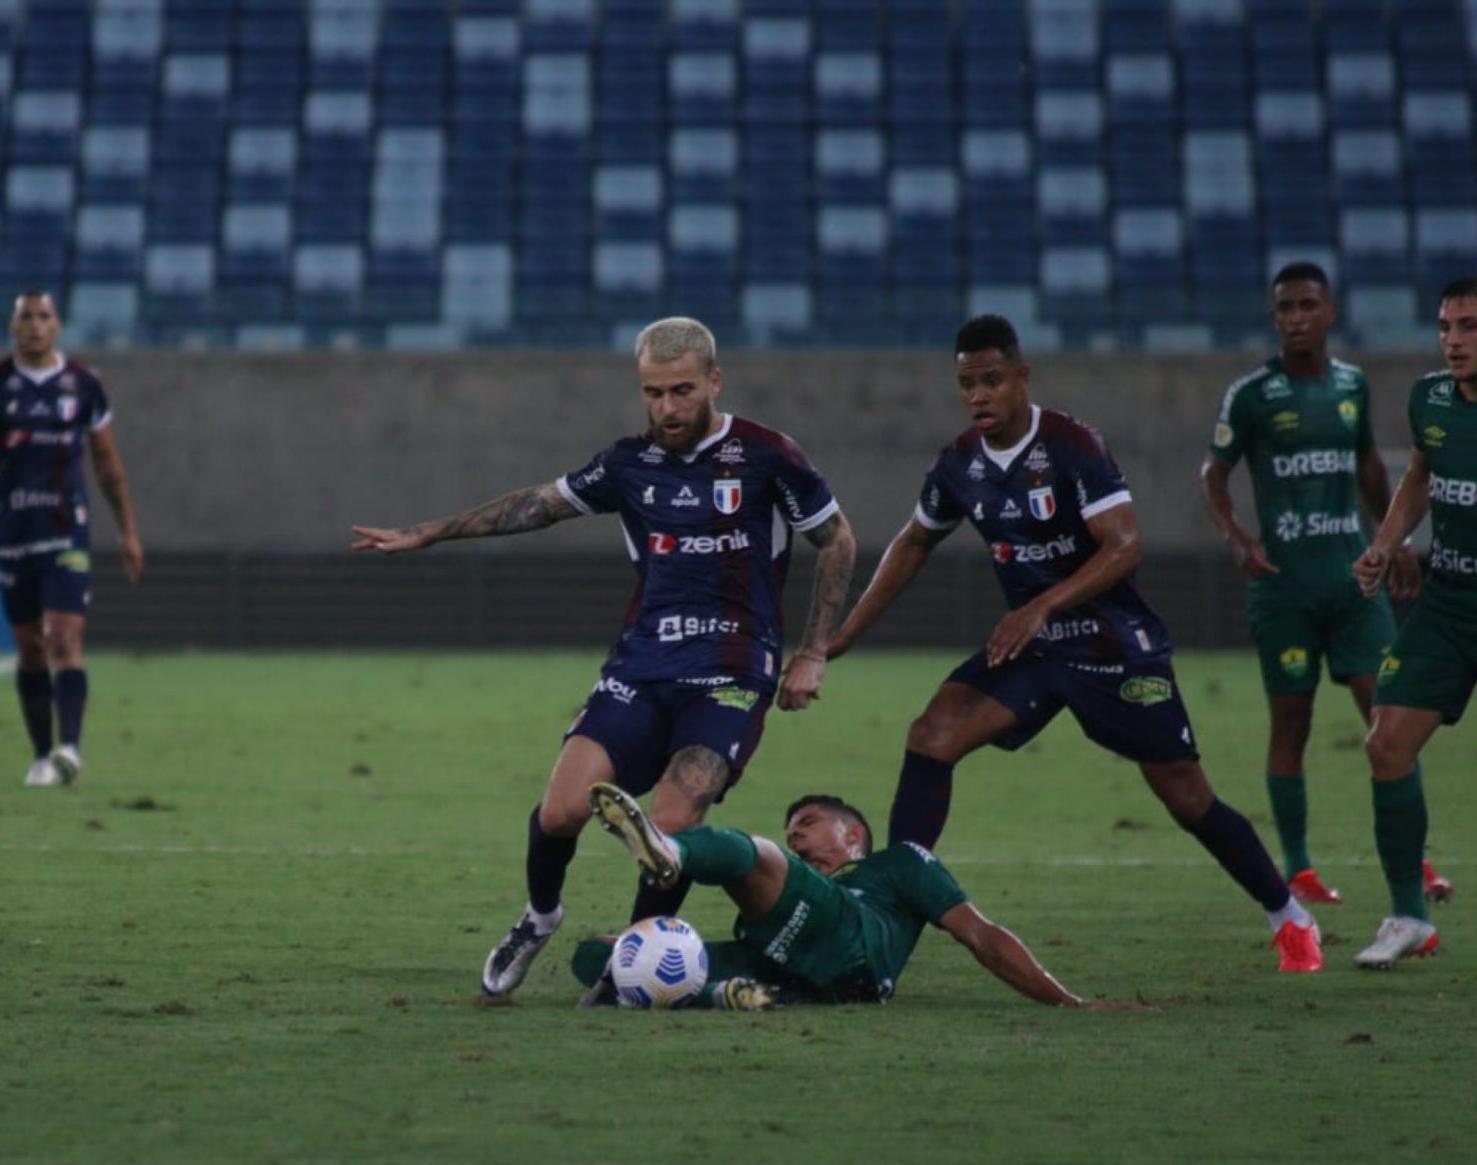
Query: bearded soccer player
{"points": [[1428, 676], [52, 408], [707, 503], [829, 922], [1302, 421], [1044, 493]]}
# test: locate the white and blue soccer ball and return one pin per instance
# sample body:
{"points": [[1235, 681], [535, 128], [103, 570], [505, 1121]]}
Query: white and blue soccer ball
{"points": [[659, 962]]}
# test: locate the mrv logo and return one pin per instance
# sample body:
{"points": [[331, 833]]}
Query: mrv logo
{"points": [[1004, 552], [1311, 462], [1453, 491], [664, 544]]}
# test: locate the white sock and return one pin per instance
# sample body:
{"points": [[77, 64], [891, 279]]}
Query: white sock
{"points": [[1292, 912], [545, 923]]}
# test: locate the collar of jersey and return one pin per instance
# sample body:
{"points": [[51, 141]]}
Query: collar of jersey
{"points": [[1003, 459], [708, 442], [40, 375]]}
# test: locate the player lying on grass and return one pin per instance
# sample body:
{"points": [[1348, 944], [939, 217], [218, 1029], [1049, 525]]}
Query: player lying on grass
{"points": [[830, 922]]}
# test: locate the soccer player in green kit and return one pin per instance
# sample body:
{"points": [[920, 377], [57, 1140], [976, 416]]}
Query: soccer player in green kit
{"points": [[1302, 422], [829, 922], [1429, 674]]}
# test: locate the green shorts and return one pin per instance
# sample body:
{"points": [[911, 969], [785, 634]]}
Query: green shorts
{"points": [[1295, 627], [1432, 665]]}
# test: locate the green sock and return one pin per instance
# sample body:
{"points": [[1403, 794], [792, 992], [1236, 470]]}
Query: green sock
{"points": [[1289, 796], [715, 856], [1400, 837]]}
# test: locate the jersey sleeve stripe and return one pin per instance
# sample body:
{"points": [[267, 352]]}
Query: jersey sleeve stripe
{"points": [[1121, 498], [102, 422], [562, 485], [815, 519], [931, 523]]}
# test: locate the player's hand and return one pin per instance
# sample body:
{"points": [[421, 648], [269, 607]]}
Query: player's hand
{"points": [[389, 541], [133, 556], [1404, 577], [1013, 633], [800, 682], [1250, 557], [1369, 570]]}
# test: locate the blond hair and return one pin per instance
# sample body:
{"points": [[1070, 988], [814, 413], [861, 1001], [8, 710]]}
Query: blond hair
{"points": [[673, 338]]}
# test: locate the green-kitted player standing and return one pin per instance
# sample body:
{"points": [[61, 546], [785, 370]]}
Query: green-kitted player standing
{"points": [[1302, 423], [1429, 674]]}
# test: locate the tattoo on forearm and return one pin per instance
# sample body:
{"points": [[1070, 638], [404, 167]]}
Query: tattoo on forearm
{"points": [[699, 773], [522, 510], [833, 569]]}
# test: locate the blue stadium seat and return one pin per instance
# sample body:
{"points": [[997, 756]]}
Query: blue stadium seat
{"points": [[702, 24], [1375, 244], [1361, 90], [1069, 126], [629, 202], [850, 165], [1072, 202], [848, 88], [108, 241], [328, 279], [703, 163]]}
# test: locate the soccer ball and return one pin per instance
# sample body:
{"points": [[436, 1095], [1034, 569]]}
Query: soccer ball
{"points": [[659, 962]]}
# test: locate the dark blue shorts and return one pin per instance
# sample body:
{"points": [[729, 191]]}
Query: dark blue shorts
{"points": [[641, 723], [46, 582], [1132, 709]]}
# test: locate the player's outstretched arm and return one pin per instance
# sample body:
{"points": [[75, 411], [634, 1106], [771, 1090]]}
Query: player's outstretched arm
{"points": [[518, 512], [1247, 551], [1007, 958], [903, 559], [1408, 507], [107, 465], [802, 678]]}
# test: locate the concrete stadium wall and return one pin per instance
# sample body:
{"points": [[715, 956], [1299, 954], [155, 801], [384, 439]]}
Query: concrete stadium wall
{"points": [[280, 453]]}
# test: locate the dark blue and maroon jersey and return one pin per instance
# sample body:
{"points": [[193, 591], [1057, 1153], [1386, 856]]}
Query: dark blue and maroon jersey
{"points": [[709, 533], [1032, 512], [45, 419]]}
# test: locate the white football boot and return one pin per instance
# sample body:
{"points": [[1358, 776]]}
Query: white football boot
{"points": [[1399, 937], [619, 813], [42, 774], [509, 961], [68, 763]]}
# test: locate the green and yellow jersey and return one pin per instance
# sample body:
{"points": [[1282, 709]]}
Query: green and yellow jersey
{"points": [[1443, 426], [1301, 440]]}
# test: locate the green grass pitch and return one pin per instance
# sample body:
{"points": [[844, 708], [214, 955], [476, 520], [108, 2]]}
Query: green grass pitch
{"points": [[253, 934]]}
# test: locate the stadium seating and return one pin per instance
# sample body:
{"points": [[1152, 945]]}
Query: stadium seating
{"points": [[794, 171]]}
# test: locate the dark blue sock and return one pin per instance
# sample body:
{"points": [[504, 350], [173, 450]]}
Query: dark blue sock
{"points": [[71, 702], [652, 901], [921, 804], [548, 858], [1233, 842], [35, 693]]}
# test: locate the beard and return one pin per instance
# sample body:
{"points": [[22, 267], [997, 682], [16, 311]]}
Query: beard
{"points": [[683, 440]]}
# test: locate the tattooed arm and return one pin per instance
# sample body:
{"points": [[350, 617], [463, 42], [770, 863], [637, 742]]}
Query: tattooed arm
{"points": [[513, 513], [807, 667]]}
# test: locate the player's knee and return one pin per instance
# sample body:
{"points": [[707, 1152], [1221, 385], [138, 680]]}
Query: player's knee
{"points": [[562, 817], [1388, 755], [932, 736], [1183, 790], [30, 651]]}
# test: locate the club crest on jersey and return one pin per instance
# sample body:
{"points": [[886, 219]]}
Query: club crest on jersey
{"points": [[728, 495], [1348, 413], [732, 453], [1037, 461], [1042, 502], [66, 407]]}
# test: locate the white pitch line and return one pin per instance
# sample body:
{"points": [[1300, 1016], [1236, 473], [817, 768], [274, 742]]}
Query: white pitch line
{"points": [[1089, 861]]}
